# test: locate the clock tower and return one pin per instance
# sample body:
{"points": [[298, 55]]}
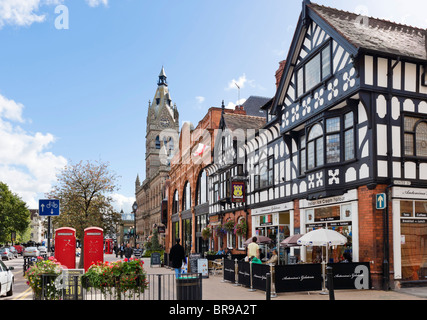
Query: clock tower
{"points": [[161, 140], [162, 122]]}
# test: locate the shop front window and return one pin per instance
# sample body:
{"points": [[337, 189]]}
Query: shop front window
{"points": [[337, 218], [413, 239], [187, 235]]}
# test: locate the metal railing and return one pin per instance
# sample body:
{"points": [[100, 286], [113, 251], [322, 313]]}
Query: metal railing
{"points": [[157, 287]]}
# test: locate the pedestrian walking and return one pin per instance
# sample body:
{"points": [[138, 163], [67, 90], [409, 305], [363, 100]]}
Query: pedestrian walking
{"points": [[122, 250], [177, 256], [128, 251], [137, 252]]}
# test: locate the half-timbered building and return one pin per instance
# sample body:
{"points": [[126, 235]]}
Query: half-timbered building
{"points": [[227, 177], [348, 123]]}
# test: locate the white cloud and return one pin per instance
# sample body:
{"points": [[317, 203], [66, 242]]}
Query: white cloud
{"points": [[24, 13], [96, 3], [232, 105], [122, 202], [200, 99], [25, 164], [241, 82], [20, 12]]}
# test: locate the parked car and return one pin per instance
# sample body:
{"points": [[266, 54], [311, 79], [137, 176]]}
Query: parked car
{"points": [[42, 249], [6, 254], [14, 252], [31, 252], [6, 280]]}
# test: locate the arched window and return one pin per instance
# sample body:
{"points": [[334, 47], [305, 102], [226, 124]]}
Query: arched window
{"points": [[415, 136], [186, 197], [157, 142], [175, 202], [202, 188], [315, 148]]}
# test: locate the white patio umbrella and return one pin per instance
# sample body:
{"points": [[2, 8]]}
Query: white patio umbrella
{"points": [[323, 238]]}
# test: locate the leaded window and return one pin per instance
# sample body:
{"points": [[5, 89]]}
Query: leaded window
{"points": [[415, 137], [314, 71]]}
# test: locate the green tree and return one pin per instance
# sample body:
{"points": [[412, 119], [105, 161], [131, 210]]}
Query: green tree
{"points": [[83, 190], [14, 214]]}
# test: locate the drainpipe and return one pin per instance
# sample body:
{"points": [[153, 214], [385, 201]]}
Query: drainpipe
{"points": [[386, 225], [386, 245]]}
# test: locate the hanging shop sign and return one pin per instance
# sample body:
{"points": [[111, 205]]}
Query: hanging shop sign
{"points": [[238, 191]]}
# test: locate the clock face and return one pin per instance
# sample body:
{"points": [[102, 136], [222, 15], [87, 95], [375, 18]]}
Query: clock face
{"points": [[164, 122]]}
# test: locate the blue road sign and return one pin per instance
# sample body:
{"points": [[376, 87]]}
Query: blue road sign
{"points": [[48, 208], [381, 201]]}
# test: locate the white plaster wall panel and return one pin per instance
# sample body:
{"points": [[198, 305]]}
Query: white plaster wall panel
{"points": [[381, 138], [369, 70], [409, 105], [294, 188], [395, 108], [397, 170], [423, 171], [288, 170], [303, 186], [423, 89], [397, 76], [410, 77], [350, 175], [410, 170], [288, 190], [382, 72], [396, 142], [364, 171], [362, 113], [382, 168], [381, 106], [422, 107]]}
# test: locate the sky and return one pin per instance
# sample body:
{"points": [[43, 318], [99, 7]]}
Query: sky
{"points": [[76, 75]]}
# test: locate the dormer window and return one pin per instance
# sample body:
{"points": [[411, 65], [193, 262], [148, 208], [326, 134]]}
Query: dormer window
{"points": [[314, 71]]}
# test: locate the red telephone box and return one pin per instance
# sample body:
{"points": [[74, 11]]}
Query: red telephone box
{"points": [[108, 246], [65, 247], [93, 246]]}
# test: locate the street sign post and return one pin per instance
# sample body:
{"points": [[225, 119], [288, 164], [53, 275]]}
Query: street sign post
{"points": [[381, 201], [48, 208]]}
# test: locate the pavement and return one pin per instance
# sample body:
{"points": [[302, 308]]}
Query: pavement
{"points": [[214, 288]]}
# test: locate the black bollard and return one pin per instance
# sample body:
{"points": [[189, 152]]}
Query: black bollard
{"points": [[268, 287], [330, 283]]}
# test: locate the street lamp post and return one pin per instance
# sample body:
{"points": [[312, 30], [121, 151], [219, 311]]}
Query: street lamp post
{"points": [[134, 208]]}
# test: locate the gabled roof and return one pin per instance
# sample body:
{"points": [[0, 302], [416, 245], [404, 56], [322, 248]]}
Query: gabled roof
{"points": [[375, 34], [240, 121], [354, 34], [253, 105]]}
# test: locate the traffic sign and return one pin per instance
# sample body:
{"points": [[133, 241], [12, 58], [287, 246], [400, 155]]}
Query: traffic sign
{"points": [[381, 201], [48, 208]]}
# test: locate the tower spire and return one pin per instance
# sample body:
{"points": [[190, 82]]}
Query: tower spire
{"points": [[162, 78]]}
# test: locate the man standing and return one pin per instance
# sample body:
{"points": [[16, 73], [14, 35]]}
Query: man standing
{"points": [[253, 249], [128, 251], [177, 256]]}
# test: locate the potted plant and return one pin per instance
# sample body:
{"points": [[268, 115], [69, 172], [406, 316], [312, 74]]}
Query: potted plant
{"points": [[241, 228], [41, 278], [125, 276], [229, 226], [206, 233], [220, 231]]}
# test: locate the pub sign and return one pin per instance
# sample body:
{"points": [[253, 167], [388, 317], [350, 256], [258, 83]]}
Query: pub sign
{"points": [[238, 191]]}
